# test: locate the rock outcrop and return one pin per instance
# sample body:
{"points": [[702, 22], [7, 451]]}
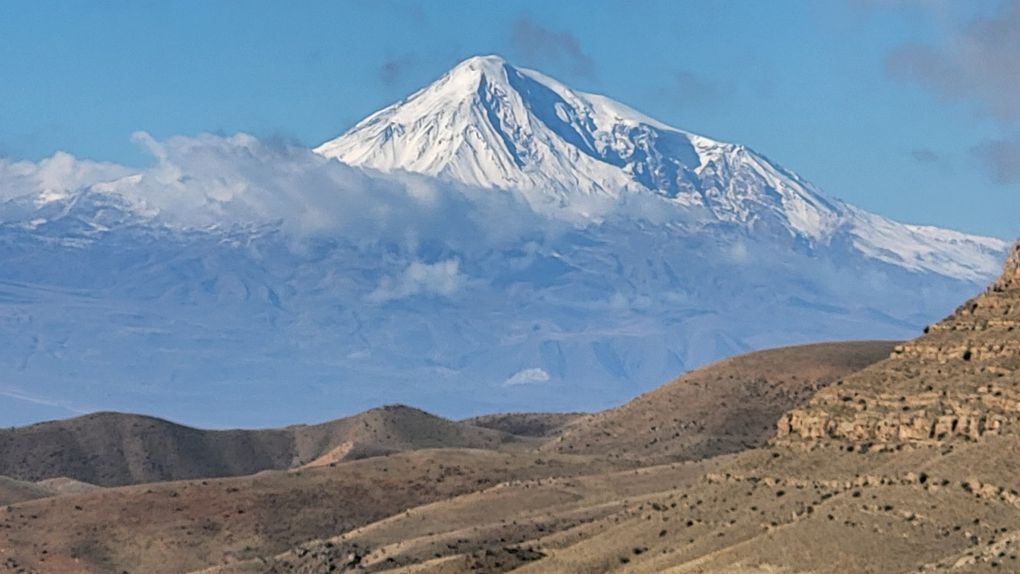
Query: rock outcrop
{"points": [[960, 381], [1011, 276]]}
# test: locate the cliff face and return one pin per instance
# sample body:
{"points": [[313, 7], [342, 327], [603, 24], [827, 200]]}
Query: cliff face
{"points": [[960, 381], [1011, 276]]}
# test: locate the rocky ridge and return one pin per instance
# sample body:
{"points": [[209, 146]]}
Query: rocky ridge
{"points": [[960, 381]]}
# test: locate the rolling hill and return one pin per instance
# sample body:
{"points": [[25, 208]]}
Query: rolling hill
{"points": [[112, 449], [726, 407]]}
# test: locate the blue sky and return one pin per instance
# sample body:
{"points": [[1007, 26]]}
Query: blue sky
{"points": [[900, 107]]}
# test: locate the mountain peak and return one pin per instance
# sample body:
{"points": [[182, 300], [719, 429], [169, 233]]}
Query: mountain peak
{"points": [[486, 64], [464, 79], [486, 123]]}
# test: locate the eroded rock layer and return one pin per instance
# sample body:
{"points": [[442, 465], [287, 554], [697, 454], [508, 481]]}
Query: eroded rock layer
{"points": [[960, 381]]}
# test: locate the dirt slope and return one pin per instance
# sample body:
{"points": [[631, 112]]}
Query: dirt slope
{"points": [[763, 511], [958, 382]]}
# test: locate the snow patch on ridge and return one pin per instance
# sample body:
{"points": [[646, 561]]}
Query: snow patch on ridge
{"points": [[527, 377]]}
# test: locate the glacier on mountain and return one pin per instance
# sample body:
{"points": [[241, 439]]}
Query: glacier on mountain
{"points": [[496, 241]]}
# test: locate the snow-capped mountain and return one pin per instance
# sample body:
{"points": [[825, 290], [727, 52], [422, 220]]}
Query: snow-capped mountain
{"points": [[486, 123], [496, 241]]}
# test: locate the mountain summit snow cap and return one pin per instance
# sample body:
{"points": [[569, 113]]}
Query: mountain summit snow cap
{"points": [[489, 124], [585, 158], [488, 64]]}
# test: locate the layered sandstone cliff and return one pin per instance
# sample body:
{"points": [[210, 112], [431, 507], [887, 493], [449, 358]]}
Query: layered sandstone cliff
{"points": [[960, 381]]}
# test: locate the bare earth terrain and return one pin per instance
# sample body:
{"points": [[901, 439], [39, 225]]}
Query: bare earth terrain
{"points": [[841, 457]]}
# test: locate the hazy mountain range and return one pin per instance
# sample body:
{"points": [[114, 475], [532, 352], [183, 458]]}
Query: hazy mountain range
{"points": [[496, 241]]}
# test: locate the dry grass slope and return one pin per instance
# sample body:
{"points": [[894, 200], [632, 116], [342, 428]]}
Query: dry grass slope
{"points": [[114, 449], [725, 407], [245, 521], [175, 527]]}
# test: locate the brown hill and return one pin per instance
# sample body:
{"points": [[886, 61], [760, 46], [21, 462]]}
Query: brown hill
{"points": [[525, 424], [112, 449], [175, 527], [725, 407]]}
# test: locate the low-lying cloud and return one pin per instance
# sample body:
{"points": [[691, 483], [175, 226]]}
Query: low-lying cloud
{"points": [[438, 279], [211, 181], [55, 176]]}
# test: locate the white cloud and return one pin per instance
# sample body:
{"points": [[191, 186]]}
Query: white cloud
{"points": [[54, 177], [213, 181], [527, 377], [443, 278]]}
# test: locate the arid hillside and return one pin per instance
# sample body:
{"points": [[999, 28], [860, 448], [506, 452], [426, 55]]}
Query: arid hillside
{"points": [[112, 449], [723, 408], [173, 527], [958, 383]]}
